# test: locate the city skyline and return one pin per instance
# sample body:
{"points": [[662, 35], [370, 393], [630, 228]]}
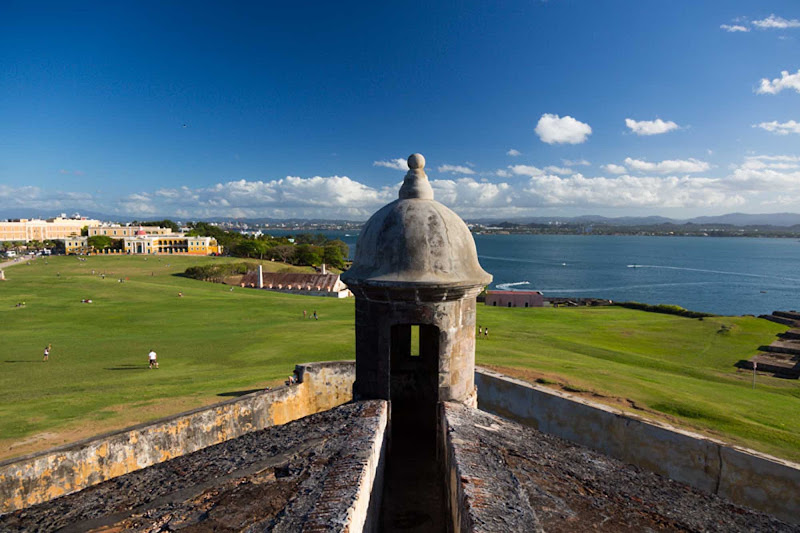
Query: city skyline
{"points": [[556, 108]]}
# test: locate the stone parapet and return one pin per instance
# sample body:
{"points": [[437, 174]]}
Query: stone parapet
{"points": [[745, 477], [319, 473], [503, 476], [39, 477]]}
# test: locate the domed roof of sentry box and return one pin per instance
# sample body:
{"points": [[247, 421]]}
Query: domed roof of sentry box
{"points": [[416, 241]]}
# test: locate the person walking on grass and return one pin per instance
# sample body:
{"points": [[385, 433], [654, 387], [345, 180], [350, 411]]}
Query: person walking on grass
{"points": [[315, 315], [47, 353], [486, 332], [153, 358]]}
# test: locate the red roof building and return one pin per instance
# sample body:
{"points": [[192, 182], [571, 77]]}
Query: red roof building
{"points": [[515, 299]]}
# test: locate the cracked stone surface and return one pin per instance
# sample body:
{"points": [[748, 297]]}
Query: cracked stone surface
{"points": [[299, 476], [518, 479]]}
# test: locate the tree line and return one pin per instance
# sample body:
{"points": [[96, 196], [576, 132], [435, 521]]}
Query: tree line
{"points": [[302, 249]]}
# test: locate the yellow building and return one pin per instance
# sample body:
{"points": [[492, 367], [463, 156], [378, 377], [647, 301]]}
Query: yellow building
{"points": [[41, 230], [171, 244], [142, 243], [76, 245], [115, 231]]}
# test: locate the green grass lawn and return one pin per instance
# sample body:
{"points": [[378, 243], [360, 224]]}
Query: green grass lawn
{"points": [[210, 342], [673, 368], [213, 343]]}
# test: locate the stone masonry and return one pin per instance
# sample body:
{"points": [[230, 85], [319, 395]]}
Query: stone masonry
{"points": [[415, 265]]}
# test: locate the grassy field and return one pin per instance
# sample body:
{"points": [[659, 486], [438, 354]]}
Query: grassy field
{"points": [[671, 368], [214, 344]]}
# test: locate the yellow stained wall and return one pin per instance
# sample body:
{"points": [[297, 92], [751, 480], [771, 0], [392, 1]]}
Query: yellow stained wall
{"points": [[41, 477]]}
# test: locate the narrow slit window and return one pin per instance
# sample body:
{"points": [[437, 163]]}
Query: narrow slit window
{"points": [[415, 349]]}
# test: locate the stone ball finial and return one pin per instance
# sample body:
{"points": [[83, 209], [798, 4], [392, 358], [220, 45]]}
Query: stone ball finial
{"points": [[416, 161], [415, 184]]}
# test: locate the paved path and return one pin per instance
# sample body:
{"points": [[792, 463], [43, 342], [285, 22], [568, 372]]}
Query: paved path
{"points": [[16, 261]]}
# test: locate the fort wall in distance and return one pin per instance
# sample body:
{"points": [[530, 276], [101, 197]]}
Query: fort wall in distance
{"points": [[743, 476]]}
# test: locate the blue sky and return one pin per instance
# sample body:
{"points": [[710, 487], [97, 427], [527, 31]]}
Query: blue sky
{"points": [[565, 107]]}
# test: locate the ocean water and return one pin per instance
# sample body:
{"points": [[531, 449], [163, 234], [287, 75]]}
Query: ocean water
{"points": [[727, 276]]}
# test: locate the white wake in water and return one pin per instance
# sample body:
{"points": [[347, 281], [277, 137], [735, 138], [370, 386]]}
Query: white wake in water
{"points": [[508, 286], [723, 272], [626, 287]]}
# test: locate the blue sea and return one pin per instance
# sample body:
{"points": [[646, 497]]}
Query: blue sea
{"points": [[727, 276]]}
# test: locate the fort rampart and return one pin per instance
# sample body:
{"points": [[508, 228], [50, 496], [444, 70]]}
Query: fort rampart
{"points": [[742, 476], [39, 477]]}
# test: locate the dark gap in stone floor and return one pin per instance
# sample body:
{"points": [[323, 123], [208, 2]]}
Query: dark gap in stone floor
{"points": [[413, 493]]}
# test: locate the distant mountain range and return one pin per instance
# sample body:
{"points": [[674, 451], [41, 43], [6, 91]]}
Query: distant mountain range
{"points": [[733, 219]]}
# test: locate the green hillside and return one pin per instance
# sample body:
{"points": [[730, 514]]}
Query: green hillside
{"points": [[211, 343], [662, 366], [214, 343]]}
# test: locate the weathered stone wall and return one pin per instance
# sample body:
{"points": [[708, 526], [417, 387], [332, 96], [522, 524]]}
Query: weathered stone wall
{"points": [[743, 476], [42, 476], [504, 476], [318, 473], [455, 478], [450, 310], [358, 470]]}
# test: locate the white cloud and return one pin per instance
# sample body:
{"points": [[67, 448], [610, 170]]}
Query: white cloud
{"points": [[468, 192], [559, 170], [782, 201], [514, 153], [576, 162], [767, 174], [456, 169], [786, 81], [757, 180], [168, 193], [614, 169], [20, 194], [32, 197], [629, 191], [397, 164], [734, 28], [553, 129], [525, 170], [138, 204], [781, 128], [774, 162], [775, 22], [334, 196], [650, 127], [680, 166]]}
